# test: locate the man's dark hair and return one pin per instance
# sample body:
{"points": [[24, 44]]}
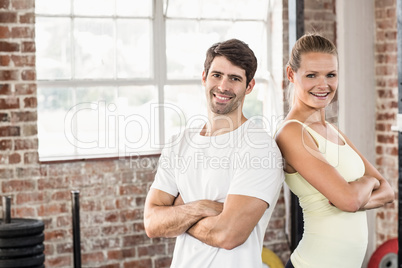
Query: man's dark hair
{"points": [[237, 52]]}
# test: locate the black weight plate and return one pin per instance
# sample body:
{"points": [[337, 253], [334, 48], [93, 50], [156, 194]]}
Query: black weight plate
{"points": [[21, 227], [18, 242], [7, 253], [23, 262]]}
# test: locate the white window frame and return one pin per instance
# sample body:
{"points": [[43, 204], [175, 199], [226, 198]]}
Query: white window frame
{"points": [[158, 78]]}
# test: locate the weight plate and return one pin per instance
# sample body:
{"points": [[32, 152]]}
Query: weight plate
{"points": [[7, 253], [16, 242], [385, 255], [23, 262], [21, 227]]}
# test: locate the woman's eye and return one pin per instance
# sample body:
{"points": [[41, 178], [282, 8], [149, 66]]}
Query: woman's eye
{"points": [[310, 75], [332, 75]]}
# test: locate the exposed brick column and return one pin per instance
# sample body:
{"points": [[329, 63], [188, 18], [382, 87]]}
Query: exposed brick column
{"points": [[18, 116], [387, 109]]}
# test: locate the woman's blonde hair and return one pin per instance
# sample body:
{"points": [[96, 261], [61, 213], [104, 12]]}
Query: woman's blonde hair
{"points": [[311, 42]]}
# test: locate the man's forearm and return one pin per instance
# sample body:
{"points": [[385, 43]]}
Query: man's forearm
{"points": [[171, 221]]}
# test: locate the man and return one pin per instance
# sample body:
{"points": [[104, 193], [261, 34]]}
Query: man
{"points": [[216, 185]]}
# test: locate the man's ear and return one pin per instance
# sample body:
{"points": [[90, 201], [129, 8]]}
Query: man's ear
{"points": [[290, 74], [250, 86], [204, 78]]}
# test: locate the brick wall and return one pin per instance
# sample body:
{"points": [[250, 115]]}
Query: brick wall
{"points": [[386, 75], [112, 191]]}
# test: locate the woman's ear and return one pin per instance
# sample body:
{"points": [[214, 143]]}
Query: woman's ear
{"points": [[290, 73]]}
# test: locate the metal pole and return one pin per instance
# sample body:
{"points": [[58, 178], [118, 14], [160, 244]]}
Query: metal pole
{"points": [[296, 30], [7, 209], [75, 196]]}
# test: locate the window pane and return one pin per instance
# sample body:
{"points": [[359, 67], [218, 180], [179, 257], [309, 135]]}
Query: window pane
{"points": [[184, 106], [137, 8], [53, 106], [186, 44], [53, 7], [53, 48], [182, 8], [217, 9], [138, 121], [251, 9], [134, 48], [94, 48], [94, 107], [93, 7]]}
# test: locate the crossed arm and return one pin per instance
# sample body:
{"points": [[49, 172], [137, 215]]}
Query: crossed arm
{"points": [[367, 192], [225, 225]]}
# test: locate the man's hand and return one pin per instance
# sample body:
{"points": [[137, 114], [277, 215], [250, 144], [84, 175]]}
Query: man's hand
{"points": [[168, 216]]}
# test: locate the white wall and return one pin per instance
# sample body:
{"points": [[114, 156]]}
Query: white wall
{"points": [[355, 42]]}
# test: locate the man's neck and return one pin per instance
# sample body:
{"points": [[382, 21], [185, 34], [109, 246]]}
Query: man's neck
{"points": [[221, 124]]}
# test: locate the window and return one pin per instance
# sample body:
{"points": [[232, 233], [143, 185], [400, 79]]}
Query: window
{"points": [[118, 77]]}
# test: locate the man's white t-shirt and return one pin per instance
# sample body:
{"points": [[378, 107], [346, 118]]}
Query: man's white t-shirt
{"points": [[245, 161]]}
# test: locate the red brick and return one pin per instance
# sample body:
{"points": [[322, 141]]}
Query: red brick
{"points": [[92, 258], [25, 89], [7, 75], [28, 46], [4, 4], [5, 89], [4, 32], [59, 261], [18, 186], [133, 240], [23, 32], [61, 195], [8, 17], [51, 209], [31, 158], [163, 262], [14, 158], [22, 116], [6, 145], [138, 264], [9, 131], [30, 102], [6, 173], [9, 47], [52, 183], [25, 212], [5, 60], [151, 250], [30, 198], [28, 75], [114, 230], [64, 248], [29, 130], [27, 172], [23, 61], [9, 103], [27, 18], [23, 4], [64, 221]]}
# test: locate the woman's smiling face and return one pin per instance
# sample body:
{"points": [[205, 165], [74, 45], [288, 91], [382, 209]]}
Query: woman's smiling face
{"points": [[316, 81]]}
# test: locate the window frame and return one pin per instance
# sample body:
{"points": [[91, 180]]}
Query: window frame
{"points": [[158, 78]]}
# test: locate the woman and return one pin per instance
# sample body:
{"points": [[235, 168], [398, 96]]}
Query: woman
{"points": [[335, 184]]}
